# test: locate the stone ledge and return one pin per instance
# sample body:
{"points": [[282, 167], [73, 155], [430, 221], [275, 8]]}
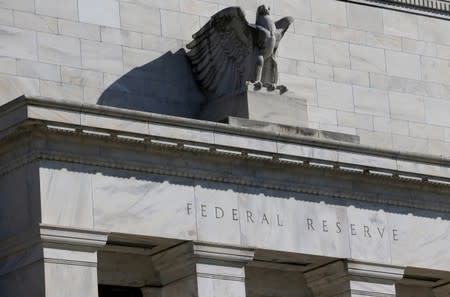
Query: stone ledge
{"points": [[293, 130], [58, 109]]}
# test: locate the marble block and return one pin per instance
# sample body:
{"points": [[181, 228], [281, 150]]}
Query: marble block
{"points": [[259, 105]]}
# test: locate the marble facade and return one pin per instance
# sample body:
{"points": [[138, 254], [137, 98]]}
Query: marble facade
{"points": [[118, 180], [102, 196]]}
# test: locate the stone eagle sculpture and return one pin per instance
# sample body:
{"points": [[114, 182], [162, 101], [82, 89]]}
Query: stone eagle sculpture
{"points": [[228, 52]]}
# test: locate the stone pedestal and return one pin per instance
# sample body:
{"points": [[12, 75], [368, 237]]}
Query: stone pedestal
{"points": [[353, 279], [201, 271], [51, 262], [259, 105]]}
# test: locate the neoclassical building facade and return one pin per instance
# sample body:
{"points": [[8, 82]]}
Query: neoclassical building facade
{"points": [[115, 182]]}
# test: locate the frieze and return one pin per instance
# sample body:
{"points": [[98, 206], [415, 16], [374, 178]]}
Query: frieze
{"points": [[312, 225]]}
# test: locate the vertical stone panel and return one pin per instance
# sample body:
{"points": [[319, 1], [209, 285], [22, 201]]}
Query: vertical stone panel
{"points": [[335, 95], [101, 56], [100, 12], [329, 12], [140, 18], [59, 49], [367, 58], [365, 18], [12, 87], [403, 65], [25, 5], [67, 9], [35, 22], [18, 43], [400, 24], [333, 53], [300, 9], [298, 47], [406, 107], [371, 101], [179, 25]]}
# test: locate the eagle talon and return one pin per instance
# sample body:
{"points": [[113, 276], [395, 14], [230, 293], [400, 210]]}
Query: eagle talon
{"points": [[258, 85], [270, 87], [283, 89]]}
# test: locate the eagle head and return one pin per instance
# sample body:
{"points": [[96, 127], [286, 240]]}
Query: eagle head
{"points": [[263, 10]]}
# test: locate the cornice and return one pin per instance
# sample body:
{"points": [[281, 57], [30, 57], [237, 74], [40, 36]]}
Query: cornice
{"points": [[435, 8], [56, 105]]}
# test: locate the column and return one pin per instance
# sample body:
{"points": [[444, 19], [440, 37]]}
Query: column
{"points": [[354, 279], [201, 270], [50, 261]]}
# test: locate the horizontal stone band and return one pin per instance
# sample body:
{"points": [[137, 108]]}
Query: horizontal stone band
{"points": [[429, 7]]}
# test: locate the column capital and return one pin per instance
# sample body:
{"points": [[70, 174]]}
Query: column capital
{"points": [[49, 235], [348, 278], [187, 259], [48, 243], [377, 271]]}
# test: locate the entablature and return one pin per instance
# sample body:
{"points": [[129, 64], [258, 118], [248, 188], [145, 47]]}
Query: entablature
{"points": [[241, 178], [76, 127]]}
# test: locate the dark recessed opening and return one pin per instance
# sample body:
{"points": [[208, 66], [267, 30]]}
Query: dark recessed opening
{"points": [[422, 278]]}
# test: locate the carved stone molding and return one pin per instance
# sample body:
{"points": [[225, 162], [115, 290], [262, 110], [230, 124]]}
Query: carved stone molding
{"points": [[437, 8]]}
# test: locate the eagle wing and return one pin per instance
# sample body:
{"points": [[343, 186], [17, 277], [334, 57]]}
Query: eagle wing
{"points": [[270, 69], [222, 53], [282, 26]]}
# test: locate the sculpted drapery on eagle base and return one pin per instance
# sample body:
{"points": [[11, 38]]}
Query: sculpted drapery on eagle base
{"points": [[228, 52]]}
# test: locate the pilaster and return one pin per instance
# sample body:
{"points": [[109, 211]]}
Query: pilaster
{"points": [[50, 261], [200, 270], [354, 279]]}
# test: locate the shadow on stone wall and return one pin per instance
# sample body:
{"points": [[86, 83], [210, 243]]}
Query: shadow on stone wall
{"points": [[165, 86]]}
